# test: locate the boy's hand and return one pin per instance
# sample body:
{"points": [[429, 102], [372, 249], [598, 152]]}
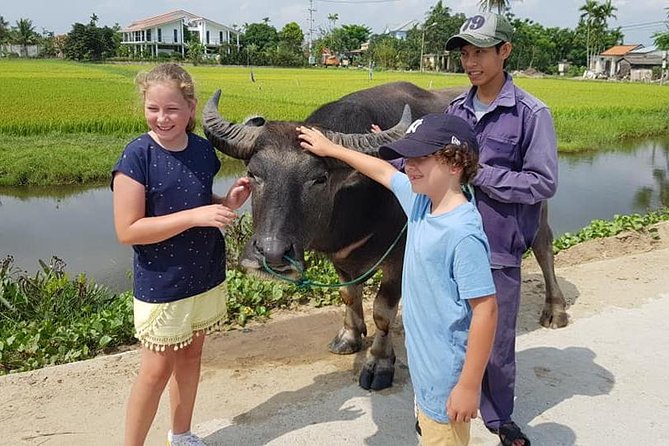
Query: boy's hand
{"points": [[239, 192], [315, 142], [463, 403]]}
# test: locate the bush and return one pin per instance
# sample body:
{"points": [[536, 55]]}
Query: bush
{"points": [[49, 319]]}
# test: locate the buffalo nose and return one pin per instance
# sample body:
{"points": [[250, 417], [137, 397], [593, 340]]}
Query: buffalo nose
{"points": [[274, 250]]}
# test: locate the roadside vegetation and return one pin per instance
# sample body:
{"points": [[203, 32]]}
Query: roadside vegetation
{"points": [[51, 318], [66, 123]]}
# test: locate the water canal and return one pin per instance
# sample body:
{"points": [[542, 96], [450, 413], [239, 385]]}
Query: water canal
{"points": [[76, 225]]}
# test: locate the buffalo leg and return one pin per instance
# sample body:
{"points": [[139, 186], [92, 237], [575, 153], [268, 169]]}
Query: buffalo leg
{"points": [[554, 314], [349, 338], [379, 369]]}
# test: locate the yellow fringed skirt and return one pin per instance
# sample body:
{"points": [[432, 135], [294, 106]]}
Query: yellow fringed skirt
{"points": [[172, 325]]}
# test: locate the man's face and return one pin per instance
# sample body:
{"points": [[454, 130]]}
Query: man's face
{"points": [[482, 65]]}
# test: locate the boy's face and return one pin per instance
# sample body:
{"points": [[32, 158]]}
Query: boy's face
{"points": [[429, 175], [483, 65]]}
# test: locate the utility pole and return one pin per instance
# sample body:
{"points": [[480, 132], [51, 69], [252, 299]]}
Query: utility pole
{"points": [[312, 59]]}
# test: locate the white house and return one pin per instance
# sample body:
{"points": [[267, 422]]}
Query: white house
{"points": [[164, 33], [400, 31]]}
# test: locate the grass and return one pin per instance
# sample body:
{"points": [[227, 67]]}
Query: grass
{"points": [[65, 123]]}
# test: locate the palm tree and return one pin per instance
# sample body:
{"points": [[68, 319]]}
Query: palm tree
{"points": [[4, 30], [595, 17], [499, 5], [24, 34], [332, 18]]}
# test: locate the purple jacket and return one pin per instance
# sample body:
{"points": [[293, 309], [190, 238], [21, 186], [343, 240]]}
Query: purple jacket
{"points": [[518, 159]]}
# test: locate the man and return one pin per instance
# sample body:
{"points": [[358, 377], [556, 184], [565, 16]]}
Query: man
{"points": [[518, 171]]}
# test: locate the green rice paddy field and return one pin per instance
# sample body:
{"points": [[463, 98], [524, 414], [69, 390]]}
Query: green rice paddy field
{"points": [[64, 122]]}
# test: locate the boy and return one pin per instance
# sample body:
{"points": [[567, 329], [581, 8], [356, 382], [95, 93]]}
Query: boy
{"points": [[449, 307], [518, 171]]}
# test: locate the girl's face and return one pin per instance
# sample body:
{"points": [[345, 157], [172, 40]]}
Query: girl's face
{"points": [[484, 65], [167, 113]]}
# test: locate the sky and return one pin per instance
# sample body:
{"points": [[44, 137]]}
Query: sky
{"points": [[639, 19]]}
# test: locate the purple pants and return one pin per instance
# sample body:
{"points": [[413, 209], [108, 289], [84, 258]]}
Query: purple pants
{"points": [[499, 379]]}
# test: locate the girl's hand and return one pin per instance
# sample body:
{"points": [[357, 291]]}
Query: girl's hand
{"points": [[314, 141], [213, 215], [238, 193], [463, 403]]}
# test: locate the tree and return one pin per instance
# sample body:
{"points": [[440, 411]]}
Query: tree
{"points": [[499, 5], [24, 34], [91, 43], [292, 37], [431, 36], [196, 51], [661, 38], [593, 23], [289, 51], [4, 30], [260, 41]]}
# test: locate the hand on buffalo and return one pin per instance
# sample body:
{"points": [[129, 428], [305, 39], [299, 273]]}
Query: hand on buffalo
{"points": [[314, 141], [238, 193], [375, 128]]}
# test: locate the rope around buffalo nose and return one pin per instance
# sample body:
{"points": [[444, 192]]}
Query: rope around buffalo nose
{"points": [[303, 282]]}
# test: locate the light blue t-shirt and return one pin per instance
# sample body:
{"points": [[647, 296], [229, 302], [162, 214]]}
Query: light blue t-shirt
{"points": [[446, 262]]}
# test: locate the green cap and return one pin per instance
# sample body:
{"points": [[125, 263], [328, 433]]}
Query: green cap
{"points": [[482, 30]]}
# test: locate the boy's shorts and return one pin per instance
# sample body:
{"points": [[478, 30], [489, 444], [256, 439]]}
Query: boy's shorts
{"points": [[434, 433], [173, 324]]}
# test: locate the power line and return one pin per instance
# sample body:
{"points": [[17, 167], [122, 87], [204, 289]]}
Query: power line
{"points": [[644, 25]]}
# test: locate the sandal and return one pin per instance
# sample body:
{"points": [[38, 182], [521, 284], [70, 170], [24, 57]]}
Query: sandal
{"points": [[508, 433]]}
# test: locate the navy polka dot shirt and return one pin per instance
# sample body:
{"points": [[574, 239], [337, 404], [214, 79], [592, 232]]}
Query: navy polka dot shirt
{"points": [[190, 262]]}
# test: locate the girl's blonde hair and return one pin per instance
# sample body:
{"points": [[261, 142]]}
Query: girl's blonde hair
{"points": [[169, 73]]}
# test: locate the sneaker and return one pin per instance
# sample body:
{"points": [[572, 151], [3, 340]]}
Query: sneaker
{"points": [[185, 439]]}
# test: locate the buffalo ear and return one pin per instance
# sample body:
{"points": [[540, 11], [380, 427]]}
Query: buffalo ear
{"points": [[255, 121]]}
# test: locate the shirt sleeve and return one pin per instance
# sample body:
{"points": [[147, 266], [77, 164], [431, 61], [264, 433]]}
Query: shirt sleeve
{"points": [[537, 179], [131, 163], [401, 187], [471, 269]]}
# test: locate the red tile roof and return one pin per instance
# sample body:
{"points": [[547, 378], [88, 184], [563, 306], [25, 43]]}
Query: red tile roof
{"points": [[167, 17], [620, 50]]}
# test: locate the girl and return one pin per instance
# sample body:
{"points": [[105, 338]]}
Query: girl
{"points": [[165, 208]]}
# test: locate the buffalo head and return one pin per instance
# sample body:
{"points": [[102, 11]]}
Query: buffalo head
{"points": [[300, 201]]}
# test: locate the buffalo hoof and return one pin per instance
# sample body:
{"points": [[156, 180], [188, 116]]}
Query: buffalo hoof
{"points": [[345, 343], [553, 316], [377, 374]]}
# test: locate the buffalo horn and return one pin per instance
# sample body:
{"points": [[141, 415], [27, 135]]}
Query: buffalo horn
{"points": [[235, 140], [370, 142]]}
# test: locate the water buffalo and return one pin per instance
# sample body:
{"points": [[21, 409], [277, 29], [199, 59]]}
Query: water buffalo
{"points": [[301, 202]]}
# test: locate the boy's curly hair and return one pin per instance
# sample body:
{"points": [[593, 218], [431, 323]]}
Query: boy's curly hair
{"points": [[169, 73], [459, 156]]}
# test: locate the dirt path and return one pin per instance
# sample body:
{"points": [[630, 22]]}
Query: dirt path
{"points": [[275, 374]]}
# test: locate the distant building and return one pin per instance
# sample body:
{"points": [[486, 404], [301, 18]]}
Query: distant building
{"points": [[164, 34], [400, 31], [606, 63], [638, 64]]}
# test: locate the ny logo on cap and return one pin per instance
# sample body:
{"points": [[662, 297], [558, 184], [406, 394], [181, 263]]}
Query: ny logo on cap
{"points": [[455, 141], [414, 125]]}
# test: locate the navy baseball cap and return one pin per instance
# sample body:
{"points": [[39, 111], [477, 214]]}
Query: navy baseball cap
{"points": [[430, 134]]}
